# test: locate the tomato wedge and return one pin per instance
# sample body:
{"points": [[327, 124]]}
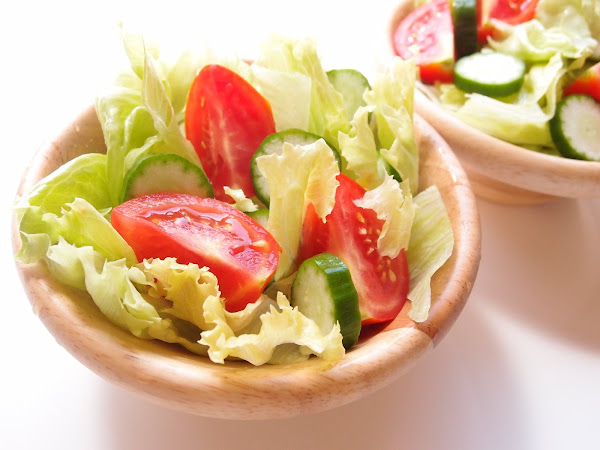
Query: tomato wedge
{"points": [[350, 233], [587, 83], [226, 120], [427, 35], [237, 250], [512, 12]]}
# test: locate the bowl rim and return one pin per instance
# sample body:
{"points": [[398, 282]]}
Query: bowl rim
{"points": [[175, 378], [530, 170]]}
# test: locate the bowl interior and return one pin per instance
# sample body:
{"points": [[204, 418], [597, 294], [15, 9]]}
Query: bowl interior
{"points": [[500, 171], [171, 376]]}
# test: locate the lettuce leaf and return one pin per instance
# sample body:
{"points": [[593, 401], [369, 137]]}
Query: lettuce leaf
{"points": [[288, 93], [241, 202], [71, 202], [300, 174], [112, 287], [280, 326], [137, 117], [327, 112], [392, 99], [431, 244], [359, 152]]}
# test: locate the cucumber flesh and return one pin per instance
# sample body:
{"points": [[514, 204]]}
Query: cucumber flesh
{"points": [[464, 20], [323, 291], [489, 73], [274, 144], [352, 85], [575, 127], [165, 172], [260, 215]]}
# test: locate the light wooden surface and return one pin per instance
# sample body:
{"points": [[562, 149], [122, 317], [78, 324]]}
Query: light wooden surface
{"points": [[499, 171], [172, 377]]}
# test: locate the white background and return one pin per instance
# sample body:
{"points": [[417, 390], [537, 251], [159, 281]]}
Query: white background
{"points": [[519, 370]]}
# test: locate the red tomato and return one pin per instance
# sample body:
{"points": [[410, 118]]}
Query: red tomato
{"points": [[427, 35], [226, 120], [587, 83], [512, 12], [351, 234], [237, 250]]}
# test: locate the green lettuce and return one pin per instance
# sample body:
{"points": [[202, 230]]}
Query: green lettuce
{"points": [[392, 98], [431, 244], [288, 93], [280, 326], [327, 111], [72, 203], [137, 116], [359, 152], [113, 287]]}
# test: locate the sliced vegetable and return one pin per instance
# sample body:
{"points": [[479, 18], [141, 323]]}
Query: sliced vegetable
{"points": [[226, 119], [353, 85], [426, 34], [575, 128], [512, 12], [165, 172], [323, 291], [242, 254], [261, 216], [587, 83], [300, 175], [489, 73], [464, 21], [351, 233], [273, 144], [284, 335]]}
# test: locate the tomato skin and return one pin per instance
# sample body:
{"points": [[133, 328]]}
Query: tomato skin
{"points": [[350, 233], [512, 12], [226, 120], [429, 28], [237, 250], [587, 83]]}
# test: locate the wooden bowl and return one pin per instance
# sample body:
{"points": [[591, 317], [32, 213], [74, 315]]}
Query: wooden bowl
{"points": [[171, 376], [499, 171]]}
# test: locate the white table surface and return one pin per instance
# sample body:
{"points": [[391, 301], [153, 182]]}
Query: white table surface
{"points": [[519, 370]]}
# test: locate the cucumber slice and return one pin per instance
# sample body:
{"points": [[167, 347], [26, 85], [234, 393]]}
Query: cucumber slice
{"points": [[575, 127], [464, 20], [323, 291], [273, 144], [352, 85], [260, 215], [489, 73], [165, 172]]}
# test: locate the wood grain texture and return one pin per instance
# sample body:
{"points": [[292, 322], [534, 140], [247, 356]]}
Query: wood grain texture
{"points": [[499, 171], [171, 376]]}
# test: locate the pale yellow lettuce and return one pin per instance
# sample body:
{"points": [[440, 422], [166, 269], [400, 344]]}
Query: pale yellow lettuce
{"points": [[431, 244], [280, 326], [297, 176], [359, 152]]}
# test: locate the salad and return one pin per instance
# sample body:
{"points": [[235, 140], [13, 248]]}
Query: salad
{"points": [[265, 212], [525, 71]]}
